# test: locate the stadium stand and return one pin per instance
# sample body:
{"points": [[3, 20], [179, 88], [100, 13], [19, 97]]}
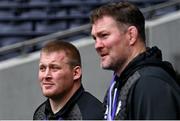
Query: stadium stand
{"points": [[60, 13], [22, 20]]}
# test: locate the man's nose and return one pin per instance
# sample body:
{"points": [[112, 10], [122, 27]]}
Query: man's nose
{"points": [[98, 44], [48, 73]]}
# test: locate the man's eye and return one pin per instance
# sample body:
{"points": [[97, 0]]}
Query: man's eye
{"points": [[104, 35], [55, 68], [42, 68]]}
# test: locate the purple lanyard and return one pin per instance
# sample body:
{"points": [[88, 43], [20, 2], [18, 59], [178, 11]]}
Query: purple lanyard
{"points": [[112, 100]]}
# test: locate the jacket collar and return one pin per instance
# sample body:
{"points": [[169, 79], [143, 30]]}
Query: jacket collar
{"points": [[152, 57], [64, 111]]}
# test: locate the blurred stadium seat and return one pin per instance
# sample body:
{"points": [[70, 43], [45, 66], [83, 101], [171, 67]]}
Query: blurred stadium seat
{"points": [[28, 19]]}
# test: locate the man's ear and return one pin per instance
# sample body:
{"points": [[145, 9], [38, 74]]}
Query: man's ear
{"points": [[77, 72], [132, 34]]}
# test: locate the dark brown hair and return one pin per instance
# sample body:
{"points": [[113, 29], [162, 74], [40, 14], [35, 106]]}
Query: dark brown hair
{"points": [[122, 12]]}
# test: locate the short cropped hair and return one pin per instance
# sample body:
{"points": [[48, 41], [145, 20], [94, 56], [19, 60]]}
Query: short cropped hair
{"points": [[124, 13], [71, 51]]}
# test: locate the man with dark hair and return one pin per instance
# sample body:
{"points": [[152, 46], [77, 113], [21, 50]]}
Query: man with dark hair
{"points": [[143, 86], [60, 76]]}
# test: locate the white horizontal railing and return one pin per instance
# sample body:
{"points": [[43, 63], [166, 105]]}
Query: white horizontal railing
{"points": [[70, 32]]}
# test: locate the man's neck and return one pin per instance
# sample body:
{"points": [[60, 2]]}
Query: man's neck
{"points": [[134, 53], [58, 103]]}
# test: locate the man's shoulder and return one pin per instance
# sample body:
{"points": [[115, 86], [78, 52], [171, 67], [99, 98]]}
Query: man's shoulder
{"points": [[156, 74], [89, 99], [40, 112], [154, 90], [155, 79], [90, 107]]}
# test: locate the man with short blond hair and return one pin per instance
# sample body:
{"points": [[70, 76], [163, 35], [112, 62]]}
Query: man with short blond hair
{"points": [[60, 76]]}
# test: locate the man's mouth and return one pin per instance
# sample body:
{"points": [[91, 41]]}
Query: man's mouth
{"points": [[47, 84]]}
